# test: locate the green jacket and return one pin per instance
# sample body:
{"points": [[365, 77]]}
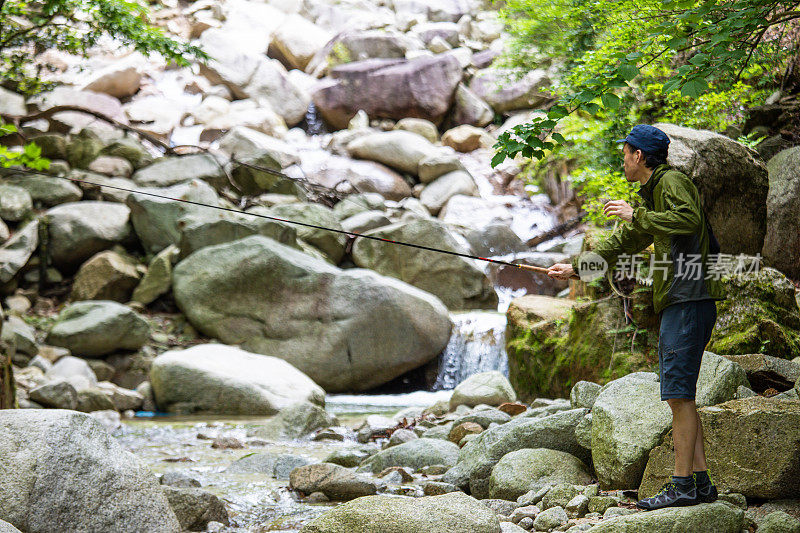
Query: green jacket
{"points": [[673, 221]]}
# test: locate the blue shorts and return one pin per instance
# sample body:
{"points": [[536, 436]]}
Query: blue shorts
{"points": [[685, 330]]}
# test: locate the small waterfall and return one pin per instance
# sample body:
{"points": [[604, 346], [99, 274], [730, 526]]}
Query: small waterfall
{"points": [[476, 345]]}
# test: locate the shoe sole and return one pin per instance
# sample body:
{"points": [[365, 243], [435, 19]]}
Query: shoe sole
{"points": [[679, 503]]}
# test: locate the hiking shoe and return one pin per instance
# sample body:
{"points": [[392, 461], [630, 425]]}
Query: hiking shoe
{"points": [[671, 495], [706, 492]]}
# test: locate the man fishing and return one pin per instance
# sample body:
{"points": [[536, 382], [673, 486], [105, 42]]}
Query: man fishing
{"points": [[673, 220]]}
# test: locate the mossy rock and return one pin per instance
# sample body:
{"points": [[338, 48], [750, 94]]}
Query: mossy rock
{"points": [[759, 315], [590, 342]]}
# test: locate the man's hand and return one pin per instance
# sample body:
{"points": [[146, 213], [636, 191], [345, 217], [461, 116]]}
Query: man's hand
{"points": [[618, 208], [561, 271]]}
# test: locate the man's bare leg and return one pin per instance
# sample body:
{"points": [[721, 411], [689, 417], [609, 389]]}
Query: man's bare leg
{"points": [[684, 434], [699, 460]]}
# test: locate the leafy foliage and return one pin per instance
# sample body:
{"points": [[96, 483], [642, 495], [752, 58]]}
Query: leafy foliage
{"points": [[604, 49], [29, 156], [31, 27]]}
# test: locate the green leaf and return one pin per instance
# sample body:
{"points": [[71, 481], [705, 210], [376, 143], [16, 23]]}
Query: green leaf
{"points": [[498, 158], [558, 137], [671, 85], [610, 100], [628, 71], [32, 151], [694, 87]]}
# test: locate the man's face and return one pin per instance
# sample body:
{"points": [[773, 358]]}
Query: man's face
{"points": [[631, 161]]}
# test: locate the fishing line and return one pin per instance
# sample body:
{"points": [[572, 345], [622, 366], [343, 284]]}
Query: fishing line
{"points": [[315, 226]]}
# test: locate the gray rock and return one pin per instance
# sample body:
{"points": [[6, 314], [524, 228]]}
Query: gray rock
{"points": [[402, 150], [550, 518], [332, 244], [437, 488], [246, 144], [401, 436], [336, 482], [437, 193], [168, 171], [584, 394], [15, 203], [501, 91], [457, 281], [93, 399], [295, 422], [350, 457], [57, 394], [359, 203], [531, 469], [158, 279], [5, 527], [702, 518], [365, 221], [331, 336], [434, 514], [413, 454], [92, 329], [130, 149], [628, 420], [779, 522], [215, 378], [46, 190], [469, 108], [108, 275], [495, 239], [67, 470], [437, 165], [765, 371], [583, 432], [490, 388], [74, 370], [484, 417], [718, 380], [578, 506], [17, 333], [15, 253], [195, 508], [613, 512], [478, 457], [732, 182], [78, 230], [783, 202], [156, 219], [179, 479], [12, 103]]}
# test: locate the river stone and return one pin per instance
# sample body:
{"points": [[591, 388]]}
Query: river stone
{"points": [[210, 228], [501, 91], [456, 280], [332, 335], [765, 371], [477, 458], [495, 239], [168, 171], [446, 513], [78, 230], [779, 522], [296, 422], [718, 380], [47, 190], [298, 40], [550, 518], [195, 508], [158, 279], [131, 149], [62, 467], [365, 221], [437, 193], [628, 420], [750, 445], [420, 126], [732, 182], [336, 482], [471, 109], [484, 416], [56, 394], [220, 379], [242, 142], [83, 148], [703, 518], [20, 335], [15, 252], [782, 241], [15, 203], [389, 88], [402, 150], [413, 454], [156, 219], [364, 176], [490, 388], [466, 138], [93, 399], [331, 243], [359, 203], [74, 370], [5, 527], [97, 328], [584, 394], [436, 165], [106, 276], [530, 469], [12, 103]]}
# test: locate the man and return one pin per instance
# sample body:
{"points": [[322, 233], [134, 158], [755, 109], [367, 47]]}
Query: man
{"points": [[672, 219]]}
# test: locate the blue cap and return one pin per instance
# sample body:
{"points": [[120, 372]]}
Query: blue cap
{"points": [[648, 139]]}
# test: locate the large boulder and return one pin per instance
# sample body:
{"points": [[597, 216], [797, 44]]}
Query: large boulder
{"points": [[414, 454], [456, 280], [169, 171], [383, 514], [106, 276], [15, 203], [298, 40], [469, 108], [732, 181], [15, 252], [628, 420], [334, 481], [477, 458], [399, 149], [46, 190], [389, 88], [78, 230], [704, 518], [532, 469], [505, 93], [759, 314], [767, 372], [336, 331], [220, 379], [782, 240], [718, 379], [156, 219], [489, 388], [364, 176], [751, 447], [61, 469], [97, 328], [89, 100], [331, 243], [438, 192]]}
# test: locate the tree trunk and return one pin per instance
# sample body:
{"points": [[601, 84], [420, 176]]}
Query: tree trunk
{"points": [[8, 398]]}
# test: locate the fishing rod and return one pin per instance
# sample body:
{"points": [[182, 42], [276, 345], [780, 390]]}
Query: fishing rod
{"points": [[532, 268]]}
